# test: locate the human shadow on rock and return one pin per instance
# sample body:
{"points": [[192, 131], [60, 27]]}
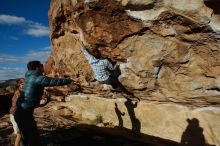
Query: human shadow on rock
{"points": [[136, 124], [119, 115], [193, 134]]}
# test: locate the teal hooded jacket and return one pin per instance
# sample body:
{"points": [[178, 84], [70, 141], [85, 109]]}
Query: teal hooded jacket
{"points": [[33, 88]]}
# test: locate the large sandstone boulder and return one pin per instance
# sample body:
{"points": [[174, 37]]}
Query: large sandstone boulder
{"points": [[169, 121], [168, 51]]}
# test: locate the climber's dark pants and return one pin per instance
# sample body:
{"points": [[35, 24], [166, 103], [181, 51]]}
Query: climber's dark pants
{"points": [[27, 126], [113, 81]]}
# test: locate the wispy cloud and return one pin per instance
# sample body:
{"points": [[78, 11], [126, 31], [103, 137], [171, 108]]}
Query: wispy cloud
{"points": [[14, 38], [9, 19], [11, 73], [41, 55], [10, 59], [37, 30], [31, 28], [37, 55], [48, 48]]}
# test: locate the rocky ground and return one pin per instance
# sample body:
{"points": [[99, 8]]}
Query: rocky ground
{"points": [[93, 119], [59, 127]]}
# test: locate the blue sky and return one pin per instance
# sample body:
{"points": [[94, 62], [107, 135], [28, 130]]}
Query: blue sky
{"points": [[24, 35]]}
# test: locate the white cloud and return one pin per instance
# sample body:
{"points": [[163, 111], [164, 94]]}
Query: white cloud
{"points": [[14, 38], [9, 19], [11, 73], [4, 58], [38, 55], [41, 55], [37, 30], [31, 28], [48, 48]]}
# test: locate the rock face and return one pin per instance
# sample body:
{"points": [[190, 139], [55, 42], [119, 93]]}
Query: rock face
{"points": [[191, 127], [168, 52], [7, 89]]}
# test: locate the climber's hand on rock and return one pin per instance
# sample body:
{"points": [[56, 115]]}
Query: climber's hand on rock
{"points": [[76, 80], [116, 66], [43, 101], [74, 86], [66, 76], [82, 44]]}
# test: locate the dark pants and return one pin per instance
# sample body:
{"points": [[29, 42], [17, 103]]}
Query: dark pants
{"points": [[114, 82], [27, 126]]}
